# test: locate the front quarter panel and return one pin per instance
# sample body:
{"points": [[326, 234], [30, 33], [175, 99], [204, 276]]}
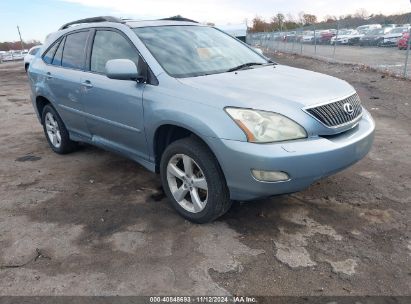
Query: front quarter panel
{"points": [[168, 104]]}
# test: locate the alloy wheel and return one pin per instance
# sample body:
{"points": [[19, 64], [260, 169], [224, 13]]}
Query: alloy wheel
{"points": [[53, 130], [187, 183]]}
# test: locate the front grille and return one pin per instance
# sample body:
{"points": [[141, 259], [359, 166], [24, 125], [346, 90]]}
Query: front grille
{"points": [[333, 114]]}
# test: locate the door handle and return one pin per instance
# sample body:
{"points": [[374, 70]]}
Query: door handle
{"points": [[48, 75], [87, 84]]}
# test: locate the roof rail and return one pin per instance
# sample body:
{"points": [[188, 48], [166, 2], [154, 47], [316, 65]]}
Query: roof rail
{"points": [[92, 20], [179, 18]]}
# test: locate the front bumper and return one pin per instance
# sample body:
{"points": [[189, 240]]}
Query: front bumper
{"points": [[305, 161]]}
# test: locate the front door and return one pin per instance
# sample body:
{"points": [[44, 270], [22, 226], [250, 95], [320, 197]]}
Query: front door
{"points": [[114, 108]]}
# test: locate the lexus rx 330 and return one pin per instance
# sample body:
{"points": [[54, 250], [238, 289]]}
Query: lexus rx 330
{"points": [[215, 118]]}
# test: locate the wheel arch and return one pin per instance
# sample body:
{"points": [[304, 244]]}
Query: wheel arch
{"points": [[164, 135], [167, 133], [41, 102]]}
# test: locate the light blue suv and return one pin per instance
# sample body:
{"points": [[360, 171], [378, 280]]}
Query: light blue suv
{"points": [[215, 118]]}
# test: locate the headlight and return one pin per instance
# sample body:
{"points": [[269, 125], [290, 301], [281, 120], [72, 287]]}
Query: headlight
{"points": [[264, 127]]}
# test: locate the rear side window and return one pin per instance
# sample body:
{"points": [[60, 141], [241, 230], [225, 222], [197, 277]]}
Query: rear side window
{"points": [[59, 53], [74, 50], [48, 56], [110, 45]]}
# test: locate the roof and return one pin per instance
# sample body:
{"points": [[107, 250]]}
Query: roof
{"points": [[147, 23], [176, 20]]}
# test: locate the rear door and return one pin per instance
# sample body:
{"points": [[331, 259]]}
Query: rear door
{"points": [[114, 107], [65, 64]]}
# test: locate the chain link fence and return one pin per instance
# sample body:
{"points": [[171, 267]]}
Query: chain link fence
{"points": [[385, 47]]}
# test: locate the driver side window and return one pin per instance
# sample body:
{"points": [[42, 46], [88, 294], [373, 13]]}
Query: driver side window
{"points": [[110, 45]]}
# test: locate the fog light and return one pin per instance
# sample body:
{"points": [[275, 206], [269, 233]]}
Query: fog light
{"points": [[270, 176]]}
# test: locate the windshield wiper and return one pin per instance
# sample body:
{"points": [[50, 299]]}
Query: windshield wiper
{"points": [[246, 65]]}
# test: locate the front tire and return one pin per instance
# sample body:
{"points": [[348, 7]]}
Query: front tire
{"points": [[55, 131], [193, 181]]}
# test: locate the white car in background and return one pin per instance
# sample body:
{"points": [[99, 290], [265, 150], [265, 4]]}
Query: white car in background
{"points": [[30, 55], [2, 54], [346, 36], [307, 37], [391, 39], [7, 56]]}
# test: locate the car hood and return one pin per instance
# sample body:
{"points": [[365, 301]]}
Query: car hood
{"points": [[267, 88]]}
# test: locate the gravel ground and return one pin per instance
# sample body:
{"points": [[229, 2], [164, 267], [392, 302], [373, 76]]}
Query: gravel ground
{"points": [[385, 59], [92, 223]]}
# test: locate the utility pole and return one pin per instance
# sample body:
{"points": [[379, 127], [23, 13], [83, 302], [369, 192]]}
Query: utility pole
{"points": [[336, 37], [408, 50], [407, 55], [21, 40]]}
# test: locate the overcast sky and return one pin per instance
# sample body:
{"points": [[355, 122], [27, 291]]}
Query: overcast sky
{"points": [[37, 18]]}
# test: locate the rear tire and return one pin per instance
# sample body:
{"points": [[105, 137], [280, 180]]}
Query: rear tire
{"points": [[55, 131], [198, 203]]}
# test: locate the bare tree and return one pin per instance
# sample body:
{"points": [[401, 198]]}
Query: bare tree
{"points": [[259, 25], [309, 19], [362, 13], [301, 17], [330, 19], [290, 17], [280, 18]]}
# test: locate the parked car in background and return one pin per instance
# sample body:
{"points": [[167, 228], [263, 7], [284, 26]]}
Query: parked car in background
{"points": [[291, 36], [390, 26], [218, 121], [30, 55], [346, 36], [18, 55], [317, 36], [403, 41], [364, 29], [2, 53], [374, 37], [7, 56], [325, 36], [307, 37], [391, 39]]}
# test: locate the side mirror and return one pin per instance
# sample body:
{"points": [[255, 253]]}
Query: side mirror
{"points": [[122, 69]]}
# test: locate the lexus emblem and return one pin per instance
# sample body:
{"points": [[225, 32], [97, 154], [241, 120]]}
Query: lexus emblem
{"points": [[348, 108]]}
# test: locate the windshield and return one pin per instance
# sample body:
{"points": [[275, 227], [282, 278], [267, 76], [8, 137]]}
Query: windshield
{"points": [[343, 32], [188, 51], [376, 32]]}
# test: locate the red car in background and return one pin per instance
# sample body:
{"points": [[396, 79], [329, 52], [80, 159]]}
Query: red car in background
{"points": [[402, 43], [325, 37]]}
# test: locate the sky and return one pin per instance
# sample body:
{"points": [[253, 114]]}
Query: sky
{"points": [[37, 18]]}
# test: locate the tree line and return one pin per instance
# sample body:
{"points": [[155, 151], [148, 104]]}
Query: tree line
{"points": [[16, 45], [281, 22]]}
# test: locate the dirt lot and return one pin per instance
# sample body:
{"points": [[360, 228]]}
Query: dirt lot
{"points": [[89, 223], [389, 59]]}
